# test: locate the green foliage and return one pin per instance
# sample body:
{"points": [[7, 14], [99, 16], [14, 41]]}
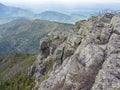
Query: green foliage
{"points": [[102, 37], [13, 72], [14, 63], [19, 81], [23, 35], [45, 77], [49, 63]]}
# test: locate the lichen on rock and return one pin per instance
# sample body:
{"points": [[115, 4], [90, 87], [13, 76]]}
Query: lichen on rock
{"points": [[86, 57]]}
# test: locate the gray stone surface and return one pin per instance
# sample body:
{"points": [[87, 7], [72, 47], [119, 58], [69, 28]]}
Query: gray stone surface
{"points": [[94, 44]]}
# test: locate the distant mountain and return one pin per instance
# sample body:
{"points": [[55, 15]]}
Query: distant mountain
{"points": [[7, 11], [54, 16], [23, 35]]}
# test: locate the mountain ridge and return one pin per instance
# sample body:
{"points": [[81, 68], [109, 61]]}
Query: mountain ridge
{"points": [[22, 35], [84, 58], [8, 11], [54, 16]]}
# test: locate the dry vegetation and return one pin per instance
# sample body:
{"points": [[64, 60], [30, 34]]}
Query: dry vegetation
{"points": [[82, 80]]}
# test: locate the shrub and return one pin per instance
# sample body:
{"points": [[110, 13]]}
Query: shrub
{"points": [[45, 77], [49, 63], [19, 81], [102, 37]]}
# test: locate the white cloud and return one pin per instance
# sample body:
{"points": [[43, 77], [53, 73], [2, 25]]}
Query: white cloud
{"points": [[37, 5], [59, 1], [52, 3]]}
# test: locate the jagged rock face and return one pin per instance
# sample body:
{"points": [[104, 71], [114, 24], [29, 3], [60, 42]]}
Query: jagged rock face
{"points": [[108, 77], [84, 58]]}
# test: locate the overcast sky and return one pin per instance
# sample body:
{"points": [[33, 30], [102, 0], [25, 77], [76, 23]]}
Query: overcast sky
{"points": [[47, 4], [58, 1]]}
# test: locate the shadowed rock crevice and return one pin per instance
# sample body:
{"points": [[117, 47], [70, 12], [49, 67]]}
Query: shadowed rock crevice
{"points": [[62, 55]]}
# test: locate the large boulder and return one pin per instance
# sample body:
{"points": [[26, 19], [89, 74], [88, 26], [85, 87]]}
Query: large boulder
{"points": [[108, 77], [116, 23]]}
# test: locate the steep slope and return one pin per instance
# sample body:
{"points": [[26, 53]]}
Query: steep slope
{"points": [[22, 35], [108, 77], [13, 72], [86, 58], [54, 16]]}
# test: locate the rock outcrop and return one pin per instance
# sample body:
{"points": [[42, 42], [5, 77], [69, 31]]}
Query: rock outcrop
{"points": [[86, 57]]}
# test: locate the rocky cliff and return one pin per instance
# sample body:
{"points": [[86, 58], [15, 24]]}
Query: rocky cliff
{"points": [[87, 57]]}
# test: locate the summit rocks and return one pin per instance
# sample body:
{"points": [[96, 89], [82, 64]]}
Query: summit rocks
{"points": [[86, 57]]}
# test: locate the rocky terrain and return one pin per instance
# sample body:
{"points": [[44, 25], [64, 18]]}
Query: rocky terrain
{"points": [[19, 47], [84, 58]]}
